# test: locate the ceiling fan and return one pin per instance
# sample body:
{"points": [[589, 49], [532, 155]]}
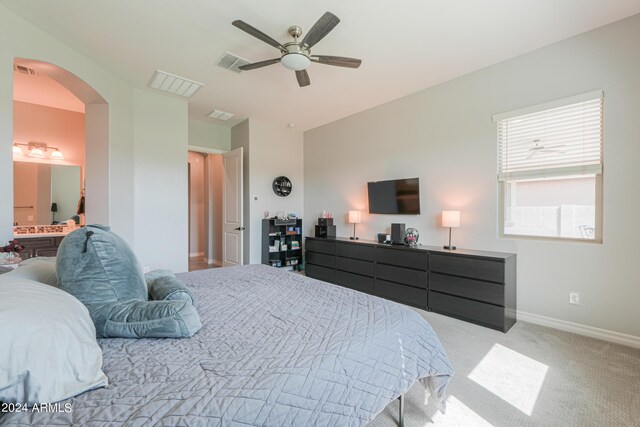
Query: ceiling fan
{"points": [[296, 55], [537, 148]]}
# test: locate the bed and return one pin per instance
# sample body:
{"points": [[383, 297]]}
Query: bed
{"points": [[276, 348]]}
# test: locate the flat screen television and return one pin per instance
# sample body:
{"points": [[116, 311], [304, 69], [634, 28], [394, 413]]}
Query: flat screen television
{"points": [[398, 196]]}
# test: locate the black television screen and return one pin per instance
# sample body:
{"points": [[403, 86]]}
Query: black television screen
{"points": [[399, 196]]}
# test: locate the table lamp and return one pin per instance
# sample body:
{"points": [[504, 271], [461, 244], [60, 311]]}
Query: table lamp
{"points": [[354, 218], [450, 219]]}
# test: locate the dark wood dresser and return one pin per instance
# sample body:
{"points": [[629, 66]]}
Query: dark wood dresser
{"points": [[39, 246], [476, 286]]}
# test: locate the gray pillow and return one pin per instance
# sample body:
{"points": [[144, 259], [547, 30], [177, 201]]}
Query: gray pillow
{"points": [[39, 269], [164, 285], [100, 269]]}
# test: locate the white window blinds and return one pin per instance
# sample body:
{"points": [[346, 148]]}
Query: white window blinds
{"points": [[563, 137]]}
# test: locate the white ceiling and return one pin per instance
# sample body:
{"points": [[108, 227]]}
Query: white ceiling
{"points": [[405, 45]]}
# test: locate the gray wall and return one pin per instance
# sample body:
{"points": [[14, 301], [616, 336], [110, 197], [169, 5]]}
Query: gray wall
{"points": [[209, 137], [445, 136]]}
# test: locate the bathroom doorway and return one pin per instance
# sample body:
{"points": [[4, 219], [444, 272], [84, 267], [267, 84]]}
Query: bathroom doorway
{"points": [[205, 178]]}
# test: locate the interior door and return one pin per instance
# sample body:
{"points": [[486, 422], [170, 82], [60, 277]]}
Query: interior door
{"points": [[232, 209]]}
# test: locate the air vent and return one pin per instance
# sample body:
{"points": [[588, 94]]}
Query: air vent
{"points": [[176, 85], [231, 62], [25, 70], [221, 115]]}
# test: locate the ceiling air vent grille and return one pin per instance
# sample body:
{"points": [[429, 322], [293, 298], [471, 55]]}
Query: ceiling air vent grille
{"points": [[25, 70], [231, 62], [176, 85], [221, 115]]}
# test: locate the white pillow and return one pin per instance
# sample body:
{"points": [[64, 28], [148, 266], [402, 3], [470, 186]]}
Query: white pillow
{"points": [[48, 349]]}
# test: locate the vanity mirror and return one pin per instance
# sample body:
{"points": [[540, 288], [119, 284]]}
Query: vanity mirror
{"points": [[42, 190]]}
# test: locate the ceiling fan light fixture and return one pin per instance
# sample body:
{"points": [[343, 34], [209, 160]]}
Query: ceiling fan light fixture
{"points": [[295, 61]]}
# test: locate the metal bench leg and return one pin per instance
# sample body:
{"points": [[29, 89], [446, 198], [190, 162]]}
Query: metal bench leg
{"points": [[401, 411]]}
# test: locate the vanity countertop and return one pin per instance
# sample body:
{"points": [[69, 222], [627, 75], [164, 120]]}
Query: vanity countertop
{"points": [[33, 235]]}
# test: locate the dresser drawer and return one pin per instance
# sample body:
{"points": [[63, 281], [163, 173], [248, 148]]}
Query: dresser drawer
{"points": [[475, 268], [354, 266], [354, 250], [406, 276], [469, 288], [355, 281], [401, 293], [465, 309], [320, 273], [403, 258], [322, 246], [323, 260], [46, 252], [40, 242]]}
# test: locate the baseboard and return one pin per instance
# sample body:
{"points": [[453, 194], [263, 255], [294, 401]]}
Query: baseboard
{"points": [[196, 254], [577, 328], [213, 262]]}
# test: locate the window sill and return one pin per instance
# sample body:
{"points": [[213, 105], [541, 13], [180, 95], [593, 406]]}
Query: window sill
{"points": [[550, 239]]}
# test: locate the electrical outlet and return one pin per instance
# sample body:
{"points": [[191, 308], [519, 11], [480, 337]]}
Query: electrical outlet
{"points": [[574, 298]]}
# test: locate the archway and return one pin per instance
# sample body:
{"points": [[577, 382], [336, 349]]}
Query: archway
{"points": [[95, 162]]}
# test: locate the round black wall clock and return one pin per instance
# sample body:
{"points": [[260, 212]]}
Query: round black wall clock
{"points": [[282, 186]]}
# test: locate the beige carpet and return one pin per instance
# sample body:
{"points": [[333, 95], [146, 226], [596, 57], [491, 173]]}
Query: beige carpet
{"points": [[531, 376]]}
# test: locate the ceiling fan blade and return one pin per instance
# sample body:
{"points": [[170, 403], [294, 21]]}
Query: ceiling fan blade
{"points": [[339, 61], [257, 34], [259, 64], [321, 28], [303, 78]]}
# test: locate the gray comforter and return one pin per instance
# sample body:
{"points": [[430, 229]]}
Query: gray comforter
{"points": [[276, 348]]}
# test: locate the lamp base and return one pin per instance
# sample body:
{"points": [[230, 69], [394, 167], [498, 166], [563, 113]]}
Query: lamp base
{"points": [[451, 248]]}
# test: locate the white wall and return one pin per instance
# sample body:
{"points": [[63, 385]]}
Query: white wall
{"points": [[445, 136], [161, 205]]}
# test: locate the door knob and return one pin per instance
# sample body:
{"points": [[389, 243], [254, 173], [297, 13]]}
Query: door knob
{"points": [[239, 228]]}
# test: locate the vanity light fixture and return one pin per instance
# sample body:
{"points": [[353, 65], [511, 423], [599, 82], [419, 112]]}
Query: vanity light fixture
{"points": [[38, 150], [57, 154]]}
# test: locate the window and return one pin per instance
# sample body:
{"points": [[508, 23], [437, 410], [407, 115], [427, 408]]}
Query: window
{"points": [[550, 169]]}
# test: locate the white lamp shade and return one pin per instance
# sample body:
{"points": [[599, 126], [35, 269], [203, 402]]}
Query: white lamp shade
{"points": [[451, 219], [17, 150], [354, 217]]}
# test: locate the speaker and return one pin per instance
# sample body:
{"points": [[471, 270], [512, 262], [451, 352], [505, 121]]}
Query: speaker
{"points": [[325, 221], [397, 234]]}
